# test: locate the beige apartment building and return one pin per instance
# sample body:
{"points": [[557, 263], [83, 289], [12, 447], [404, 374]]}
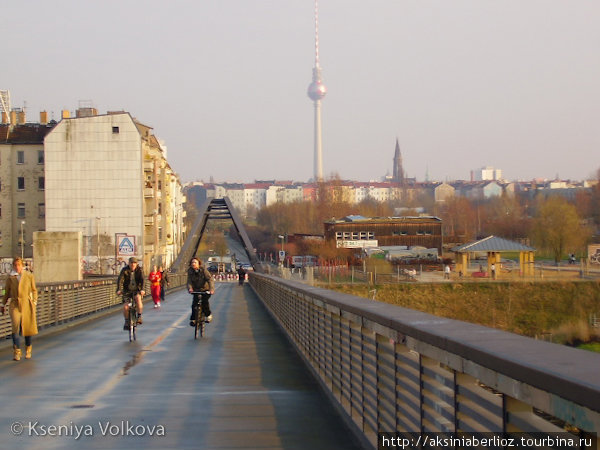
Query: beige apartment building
{"points": [[22, 185], [107, 176]]}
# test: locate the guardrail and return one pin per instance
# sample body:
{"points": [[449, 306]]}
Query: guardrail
{"points": [[59, 303], [392, 369]]}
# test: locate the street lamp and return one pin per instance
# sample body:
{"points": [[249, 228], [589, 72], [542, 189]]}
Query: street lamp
{"points": [[98, 243], [22, 240]]}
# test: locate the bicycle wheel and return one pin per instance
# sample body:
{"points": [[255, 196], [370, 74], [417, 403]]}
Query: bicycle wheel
{"points": [[197, 323], [132, 323]]}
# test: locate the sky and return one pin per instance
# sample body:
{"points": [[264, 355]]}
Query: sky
{"points": [[462, 84]]}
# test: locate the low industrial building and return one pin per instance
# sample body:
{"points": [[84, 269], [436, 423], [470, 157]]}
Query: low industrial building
{"points": [[361, 232]]}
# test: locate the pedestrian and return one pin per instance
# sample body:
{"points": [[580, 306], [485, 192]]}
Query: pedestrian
{"points": [[241, 275], [155, 278], [493, 271], [447, 272], [20, 289], [164, 283]]}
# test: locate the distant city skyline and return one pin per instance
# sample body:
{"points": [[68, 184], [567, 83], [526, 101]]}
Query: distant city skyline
{"points": [[462, 84]]}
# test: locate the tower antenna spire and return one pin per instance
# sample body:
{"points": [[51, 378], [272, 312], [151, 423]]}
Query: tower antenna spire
{"points": [[316, 92], [316, 33]]}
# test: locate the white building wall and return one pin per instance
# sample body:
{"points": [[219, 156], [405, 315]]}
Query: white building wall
{"points": [[293, 194], [488, 174], [255, 197], [220, 191], [236, 196], [94, 169], [272, 194]]}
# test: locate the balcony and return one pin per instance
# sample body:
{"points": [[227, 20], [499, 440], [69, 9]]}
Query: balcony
{"points": [[151, 219], [148, 166]]}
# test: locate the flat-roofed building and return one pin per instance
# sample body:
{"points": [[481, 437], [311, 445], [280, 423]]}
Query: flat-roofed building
{"points": [[423, 231]]}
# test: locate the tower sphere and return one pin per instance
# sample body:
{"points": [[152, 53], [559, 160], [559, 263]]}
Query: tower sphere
{"points": [[316, 90]]}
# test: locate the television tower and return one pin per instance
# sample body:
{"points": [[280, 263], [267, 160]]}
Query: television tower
{"points": [[316, 91]]}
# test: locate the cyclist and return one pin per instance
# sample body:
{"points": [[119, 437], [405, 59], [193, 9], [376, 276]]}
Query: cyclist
{"points": [[200, 280], [130, 284]]}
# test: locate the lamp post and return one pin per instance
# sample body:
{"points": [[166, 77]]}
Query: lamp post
{"points": [[98, 243], [22, 240]]}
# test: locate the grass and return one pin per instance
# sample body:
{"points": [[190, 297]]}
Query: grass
{"points": [[591, 346], [556, 310]]}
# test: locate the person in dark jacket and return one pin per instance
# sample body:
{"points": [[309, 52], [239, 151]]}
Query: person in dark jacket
{"points": [[241, 275], [130, 285], [164, 282], [200, 280]]}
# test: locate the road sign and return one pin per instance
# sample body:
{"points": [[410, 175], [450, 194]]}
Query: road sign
{"points": [[281, 255], [125, 245]]}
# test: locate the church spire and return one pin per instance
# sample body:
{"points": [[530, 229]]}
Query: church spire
{"points": [[398, 170]]}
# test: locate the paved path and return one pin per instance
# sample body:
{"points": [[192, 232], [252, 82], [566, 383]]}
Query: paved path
{"points": [[242, 386]]}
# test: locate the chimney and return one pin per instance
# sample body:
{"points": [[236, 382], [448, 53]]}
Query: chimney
{"points": [[4, 117], [21, 117], [13, 117], [65, 114], [43, 117], [86, 112], [472, 176]]}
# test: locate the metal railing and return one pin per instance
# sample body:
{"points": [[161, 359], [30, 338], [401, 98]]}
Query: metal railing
{"points": [[392, 369], [59, 303]]}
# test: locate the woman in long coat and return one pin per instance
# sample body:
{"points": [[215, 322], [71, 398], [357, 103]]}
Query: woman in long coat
{"points": [[20, 288]]}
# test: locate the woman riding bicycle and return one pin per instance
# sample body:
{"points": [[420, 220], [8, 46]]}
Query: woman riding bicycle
{"points": [[200, 280]]}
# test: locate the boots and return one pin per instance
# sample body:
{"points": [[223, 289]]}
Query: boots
{"points": [[28, 352], [16, 353]]}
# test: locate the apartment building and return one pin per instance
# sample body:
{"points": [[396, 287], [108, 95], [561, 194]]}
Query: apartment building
{"points": [[22, 185], [107, 176]]}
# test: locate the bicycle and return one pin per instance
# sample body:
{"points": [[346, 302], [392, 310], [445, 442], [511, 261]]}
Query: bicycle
{"points": [[133, 317], [199, 318]]}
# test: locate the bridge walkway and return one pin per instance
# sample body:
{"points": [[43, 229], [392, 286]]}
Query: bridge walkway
{"points": [[242, 386]]}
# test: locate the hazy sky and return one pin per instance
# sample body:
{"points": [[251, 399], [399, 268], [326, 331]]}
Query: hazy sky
{"points": [[513, 84]]}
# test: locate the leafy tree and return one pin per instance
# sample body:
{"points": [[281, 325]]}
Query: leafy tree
{"points": [[557, 227]]}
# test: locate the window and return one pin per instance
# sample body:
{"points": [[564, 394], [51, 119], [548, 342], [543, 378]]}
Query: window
{"points": [[20, 157], [160, 233], [21, 183], [0, 185], [40, 156], [20, 210], [41, 183], [115, 130], [41, 210], [160, 208], [0, 211]]}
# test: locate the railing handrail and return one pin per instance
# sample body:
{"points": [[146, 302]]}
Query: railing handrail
{"points": [[559, 380], [60, 302]]}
